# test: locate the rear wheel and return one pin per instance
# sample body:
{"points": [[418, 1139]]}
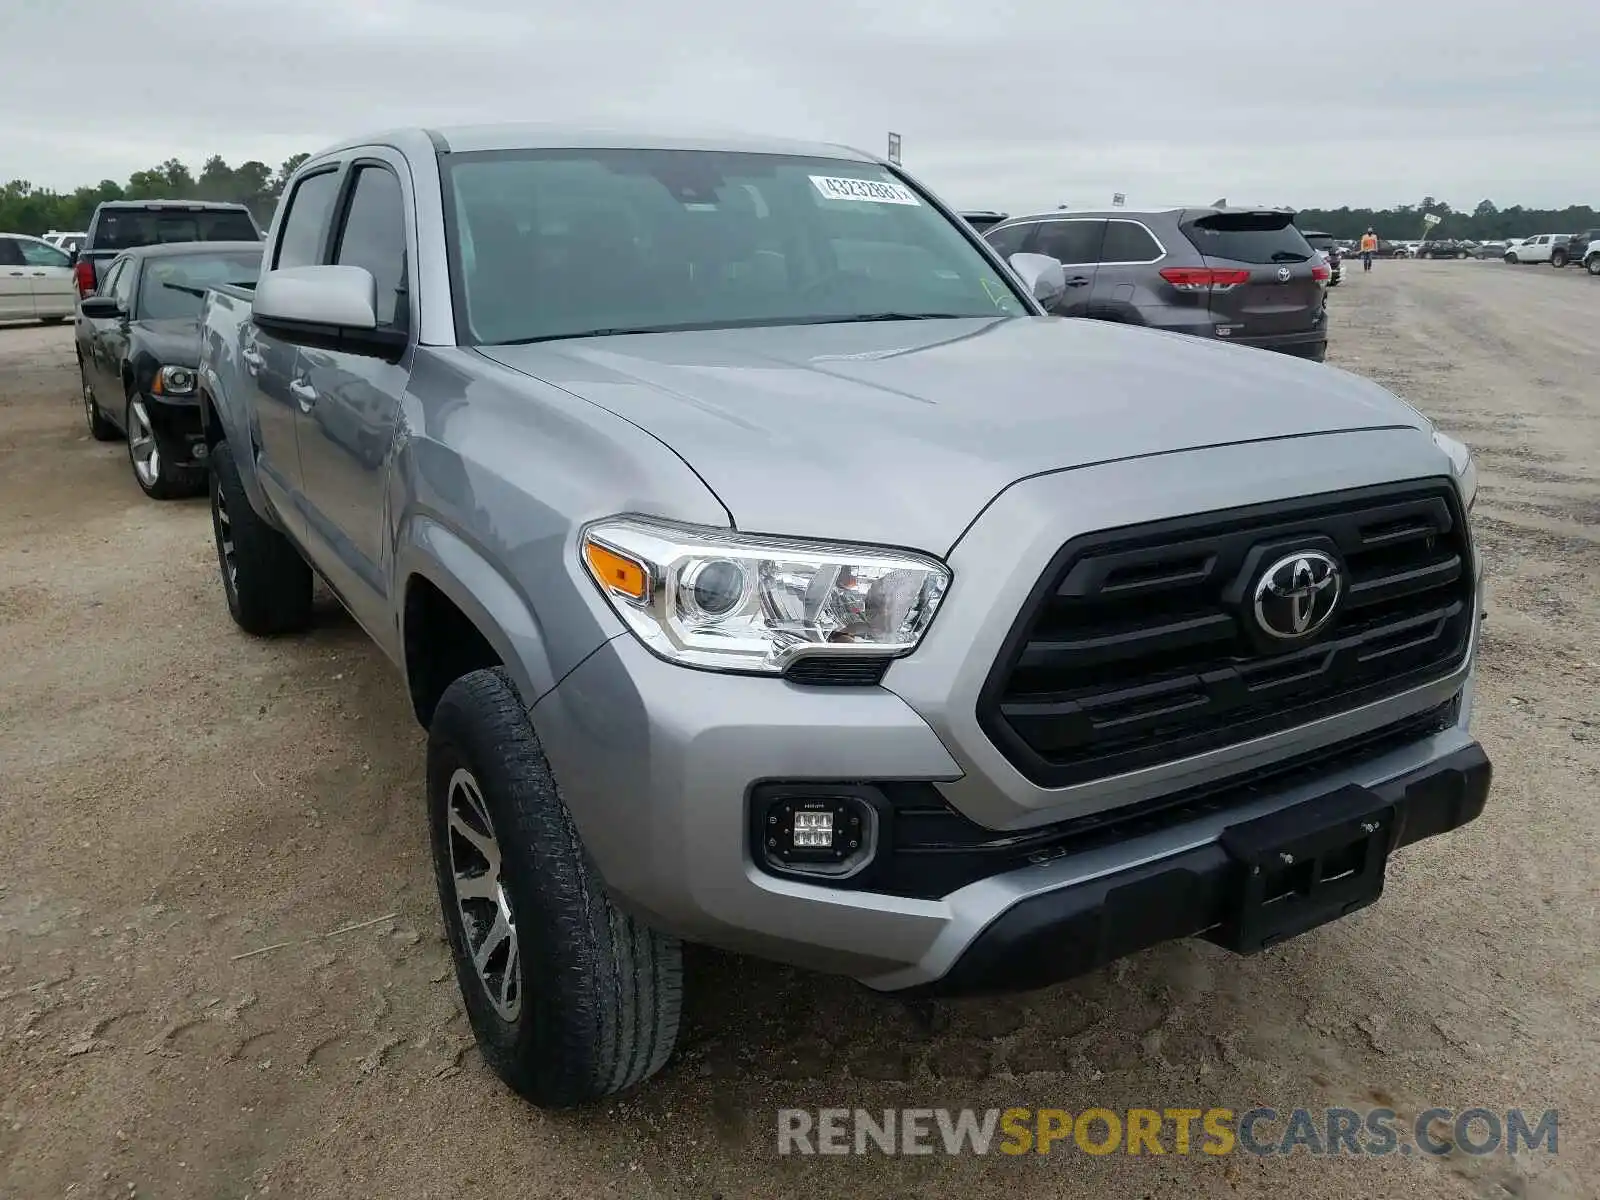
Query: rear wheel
{"points": [[100, 429], [1592, 264], [267, 583], [1558, 258], [570, 998], [52, 320]]}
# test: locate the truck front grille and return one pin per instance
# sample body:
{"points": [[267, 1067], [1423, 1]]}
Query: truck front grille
{"points": [[1136, 646]]}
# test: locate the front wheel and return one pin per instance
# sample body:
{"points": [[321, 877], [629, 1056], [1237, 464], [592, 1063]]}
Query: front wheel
{"points": [[570, 998], [1463, 254], [267, 583], [1592, 264], [1511, 258], [153, 470]]}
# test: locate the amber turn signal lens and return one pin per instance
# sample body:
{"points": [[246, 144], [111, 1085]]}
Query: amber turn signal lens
{"points": [[620, 574]]}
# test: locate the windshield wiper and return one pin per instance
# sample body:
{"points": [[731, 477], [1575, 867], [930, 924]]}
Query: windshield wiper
{"points": [[854, 318], [1289, 256], [184, 287]]}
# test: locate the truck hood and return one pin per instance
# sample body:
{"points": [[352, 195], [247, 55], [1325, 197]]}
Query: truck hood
{"points": [[899, 433]]}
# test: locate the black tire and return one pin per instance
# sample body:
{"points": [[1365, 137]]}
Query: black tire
{"points": [[51, 320], [1592, 264], [604, 1014], [1462, 254], [100, 429], [166, 482], [1558, 258], [1511, 258], [267, 583]]}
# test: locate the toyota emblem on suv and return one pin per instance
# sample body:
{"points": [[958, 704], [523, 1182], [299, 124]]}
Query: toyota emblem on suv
{"points": [[1297, 595], [1283, 274]]}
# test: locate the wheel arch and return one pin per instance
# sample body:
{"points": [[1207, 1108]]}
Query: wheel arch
{"points": [[458, 613]]}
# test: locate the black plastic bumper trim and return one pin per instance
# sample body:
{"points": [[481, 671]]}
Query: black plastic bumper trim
{"points": [[1057, 935]]}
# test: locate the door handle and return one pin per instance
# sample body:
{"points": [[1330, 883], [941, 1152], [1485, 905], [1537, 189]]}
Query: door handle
{"points": [[304, 394], [1078, 281], [39, 274], [17, 273], [252, 360]]}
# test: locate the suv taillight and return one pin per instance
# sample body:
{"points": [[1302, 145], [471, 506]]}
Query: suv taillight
{"points": [[1204, 279], [1322, 272], [84, 272]]}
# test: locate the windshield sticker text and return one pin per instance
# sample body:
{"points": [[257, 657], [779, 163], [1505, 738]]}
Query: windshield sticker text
{"points": [[870, 190]]}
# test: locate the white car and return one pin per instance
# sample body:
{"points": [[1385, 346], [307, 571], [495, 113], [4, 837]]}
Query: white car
{"points": [[1591, 258], [66, 240], [35, 280], [1536, 249]]}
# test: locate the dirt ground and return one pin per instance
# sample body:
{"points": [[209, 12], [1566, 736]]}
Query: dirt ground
{"points": [[174, 796]]}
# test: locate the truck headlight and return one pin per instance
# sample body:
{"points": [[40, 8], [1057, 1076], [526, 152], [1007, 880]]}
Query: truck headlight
{"points": [[174, 381], [722, 600], [1462, 465]]}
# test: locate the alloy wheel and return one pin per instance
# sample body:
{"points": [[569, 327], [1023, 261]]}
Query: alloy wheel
{"points": [[142, 445], [482, 906], [230, 562]]}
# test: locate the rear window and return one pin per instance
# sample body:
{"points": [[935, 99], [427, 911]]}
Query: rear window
{"points": [[127, 228], [1248, 237], [1319, 241]]}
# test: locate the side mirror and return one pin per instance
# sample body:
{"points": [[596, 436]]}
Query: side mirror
{"points": [[99, 308], [1042, 275], [329, 307]]}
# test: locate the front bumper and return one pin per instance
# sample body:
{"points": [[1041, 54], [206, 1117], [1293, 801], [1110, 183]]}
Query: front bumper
{"points": [[176, 421], [657, 762]]}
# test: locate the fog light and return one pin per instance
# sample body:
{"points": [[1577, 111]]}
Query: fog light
{"points": [[815, 829]]}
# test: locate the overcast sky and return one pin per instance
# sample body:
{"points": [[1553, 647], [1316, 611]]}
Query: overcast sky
{"points": [[1014, 105]]}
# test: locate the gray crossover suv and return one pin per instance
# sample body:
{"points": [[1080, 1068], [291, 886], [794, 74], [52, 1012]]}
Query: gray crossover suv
{"points": [[770, 571], [1244, 275]]}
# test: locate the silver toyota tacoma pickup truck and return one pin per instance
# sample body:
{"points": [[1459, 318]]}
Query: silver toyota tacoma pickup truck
{"points": [[769, 572]]}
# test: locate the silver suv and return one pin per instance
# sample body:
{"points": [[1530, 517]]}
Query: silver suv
{"points": [[769, 571], [1247, 276]]}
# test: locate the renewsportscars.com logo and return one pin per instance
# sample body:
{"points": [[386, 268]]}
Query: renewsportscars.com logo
{"points": [[1263, 1132]]}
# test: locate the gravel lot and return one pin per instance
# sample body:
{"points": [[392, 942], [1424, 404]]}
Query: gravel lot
{"points": [[174, 795]]}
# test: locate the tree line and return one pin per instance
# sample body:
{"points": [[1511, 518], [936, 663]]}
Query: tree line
{"points": [[27, 209], [1486, 222]]}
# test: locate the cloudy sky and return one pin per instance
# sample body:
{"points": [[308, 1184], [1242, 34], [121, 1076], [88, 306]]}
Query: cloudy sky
{"points": [[1011, 104]]}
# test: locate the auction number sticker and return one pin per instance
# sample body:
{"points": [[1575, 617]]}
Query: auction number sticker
{"points": [[870, 190]]}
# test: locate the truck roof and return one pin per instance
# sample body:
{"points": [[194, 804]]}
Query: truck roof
{"points": [[463, 139]]}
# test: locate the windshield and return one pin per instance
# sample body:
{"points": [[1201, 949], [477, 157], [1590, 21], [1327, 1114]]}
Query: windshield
{"points": [[128, 228], [564, 243], [1320, 241], [174, 287]]}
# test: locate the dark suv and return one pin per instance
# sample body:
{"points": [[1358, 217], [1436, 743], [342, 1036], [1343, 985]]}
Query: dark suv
{"points": [[119, 225], [1574, 249], [1240, 275], [1330, 250]]}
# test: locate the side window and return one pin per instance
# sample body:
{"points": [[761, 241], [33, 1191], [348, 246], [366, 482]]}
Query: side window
{"points": [[122, 289], [1071, 242], [301, 239], [374, 237], [109, 279], [10, 256], [39, 254], [1544, 239], [1128, 242], [1008, 239]]}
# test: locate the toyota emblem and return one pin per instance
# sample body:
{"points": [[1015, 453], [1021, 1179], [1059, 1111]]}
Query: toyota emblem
{"points": [[1283, 274], [1297, 595]]}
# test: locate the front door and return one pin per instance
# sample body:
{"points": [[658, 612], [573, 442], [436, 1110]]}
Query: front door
{"points": [[16, 296], [349, 405], [1074, 242]]}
